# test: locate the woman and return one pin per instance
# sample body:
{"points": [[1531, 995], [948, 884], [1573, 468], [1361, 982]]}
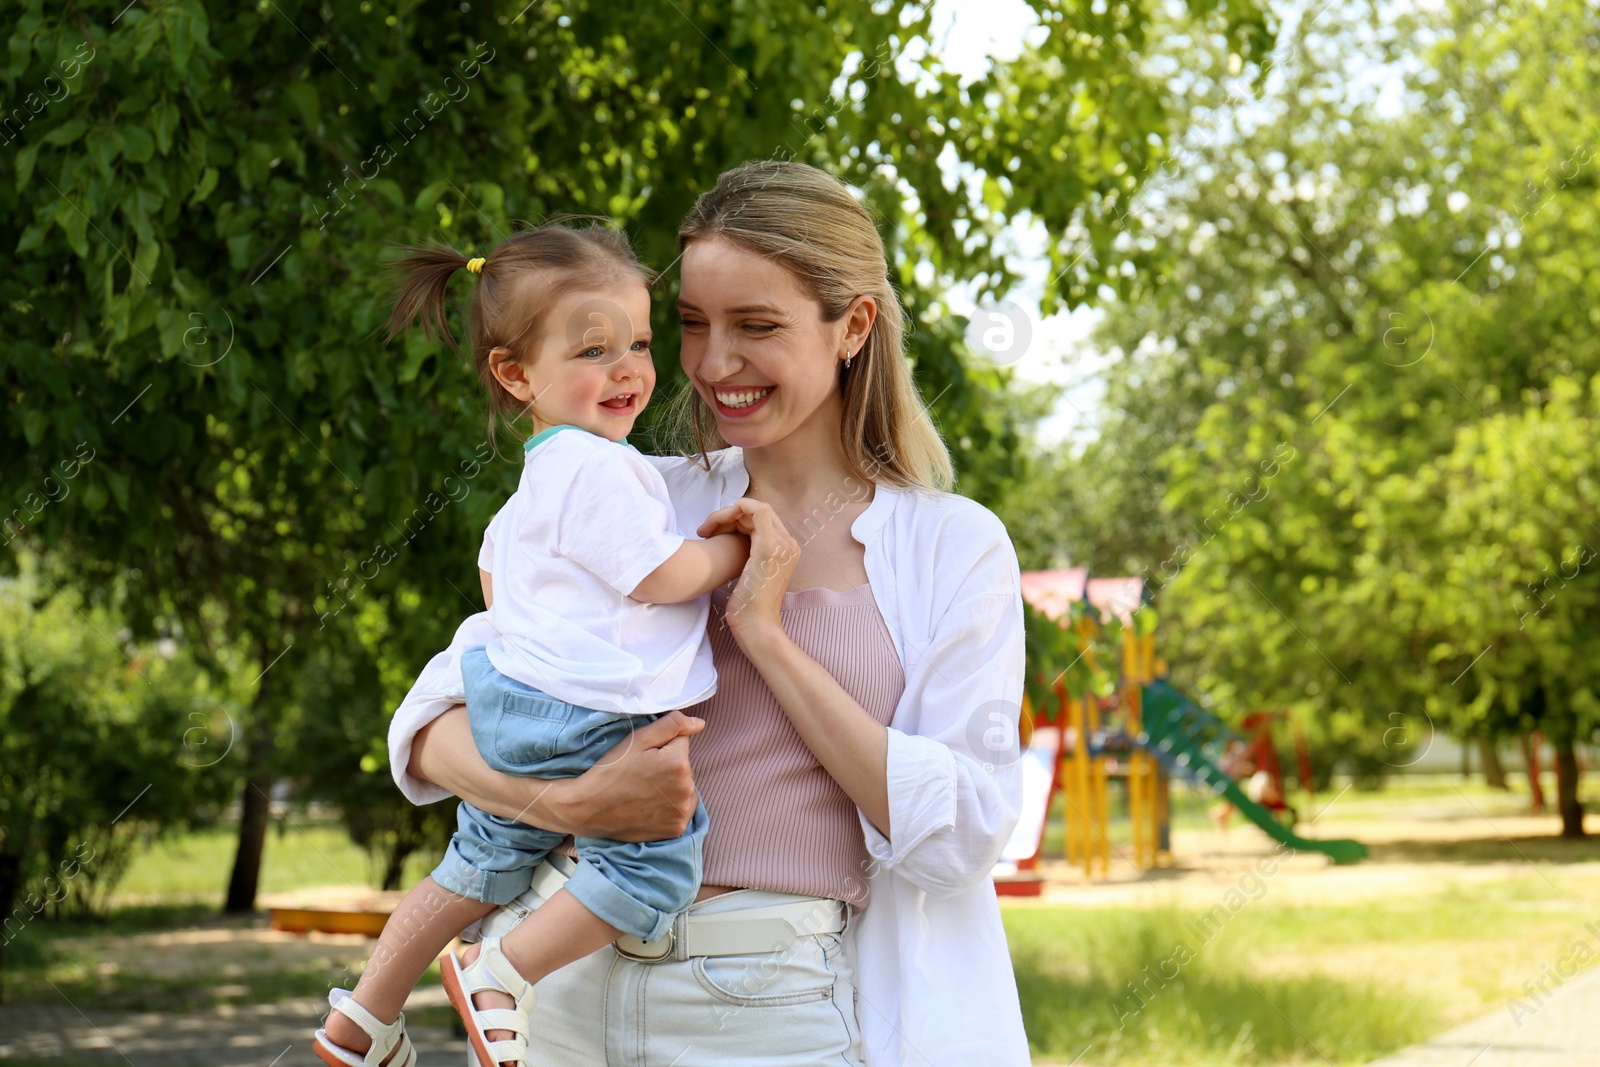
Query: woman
{"points": [[857, 760]]}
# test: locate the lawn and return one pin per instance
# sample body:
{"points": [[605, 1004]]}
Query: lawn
{"points": [[193, 868], [1280, 983]]}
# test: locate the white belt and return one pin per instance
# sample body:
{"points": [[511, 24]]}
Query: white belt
{"points": [[750, 931]]}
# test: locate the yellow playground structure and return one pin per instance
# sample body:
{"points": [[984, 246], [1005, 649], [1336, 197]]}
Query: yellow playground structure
{"points": [[1143, 732]]}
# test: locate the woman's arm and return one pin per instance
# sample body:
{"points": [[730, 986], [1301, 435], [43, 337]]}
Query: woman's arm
{"points": [[955, 783], [850, 744], [639, 791]]}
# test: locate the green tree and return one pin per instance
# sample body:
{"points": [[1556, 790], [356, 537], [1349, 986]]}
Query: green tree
{"points": [[1373, 340], [203, 199], [101, 740]]}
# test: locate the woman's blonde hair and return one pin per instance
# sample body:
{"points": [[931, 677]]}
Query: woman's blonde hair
{"points": [[808, 221], [517, 282]]}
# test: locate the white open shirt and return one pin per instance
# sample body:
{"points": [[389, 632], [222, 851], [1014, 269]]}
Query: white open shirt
{"points": [[933, 972]]}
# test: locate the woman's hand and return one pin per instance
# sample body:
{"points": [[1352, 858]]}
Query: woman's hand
{"points": [[753, 606], [641, 790]]}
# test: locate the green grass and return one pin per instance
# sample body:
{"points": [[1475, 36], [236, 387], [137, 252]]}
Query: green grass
{"points": [[1282, 984], [1140, 987], [1279, 984], [193, 868]]}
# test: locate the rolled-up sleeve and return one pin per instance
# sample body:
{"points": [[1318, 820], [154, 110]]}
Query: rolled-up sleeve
{"points": [[954, 780]]}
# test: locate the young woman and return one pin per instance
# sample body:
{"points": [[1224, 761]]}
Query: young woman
{"points": [[857, 760]]}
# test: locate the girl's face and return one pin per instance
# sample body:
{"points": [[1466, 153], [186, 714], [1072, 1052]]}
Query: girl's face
{"points": [[755, 346], [591, 364]]}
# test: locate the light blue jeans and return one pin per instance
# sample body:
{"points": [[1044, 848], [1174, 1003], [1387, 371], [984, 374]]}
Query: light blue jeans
{"points": [[637, 887], [792, 1008]]}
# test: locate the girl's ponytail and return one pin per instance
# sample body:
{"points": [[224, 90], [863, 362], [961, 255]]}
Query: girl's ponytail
{"points": [[425, 275]]}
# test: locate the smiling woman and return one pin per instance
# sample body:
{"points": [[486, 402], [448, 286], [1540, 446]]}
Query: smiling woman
{"points": [[780, 263], [846, 914]]}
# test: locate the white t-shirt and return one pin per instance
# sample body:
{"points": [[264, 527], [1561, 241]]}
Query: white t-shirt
{"points": [[589, 521]]}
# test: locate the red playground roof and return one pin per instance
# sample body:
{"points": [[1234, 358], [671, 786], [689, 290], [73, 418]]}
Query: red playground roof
{"points": [[1053, 591], [1116, 596]]}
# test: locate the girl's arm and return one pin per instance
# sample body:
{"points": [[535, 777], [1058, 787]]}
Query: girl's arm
{"points": [[639, 791], [850, 744], [694, 570]]}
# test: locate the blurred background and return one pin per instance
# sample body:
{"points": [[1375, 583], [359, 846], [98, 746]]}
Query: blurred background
{"points": [[1283, 312]]}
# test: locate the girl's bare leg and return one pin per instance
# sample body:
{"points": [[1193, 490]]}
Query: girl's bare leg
{"points": [[560, 931], [427, 919]]}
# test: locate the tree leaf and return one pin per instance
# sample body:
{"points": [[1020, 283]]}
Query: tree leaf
{"points": [[137, 144], [166, 121], [67, 132], [208, 182], [25, 161]]}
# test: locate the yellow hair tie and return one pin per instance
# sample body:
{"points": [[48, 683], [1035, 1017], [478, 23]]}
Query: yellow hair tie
{"points": [[476, 265]]}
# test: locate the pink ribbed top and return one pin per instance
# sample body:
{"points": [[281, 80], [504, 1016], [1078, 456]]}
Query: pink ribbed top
{"points": [[778, 820]]}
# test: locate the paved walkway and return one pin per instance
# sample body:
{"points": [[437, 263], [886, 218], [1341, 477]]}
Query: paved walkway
{"points": [[265, 1035], [1560, 1032]]}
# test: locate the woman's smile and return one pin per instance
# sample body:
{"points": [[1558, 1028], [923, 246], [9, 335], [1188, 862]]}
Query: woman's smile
{"points": [[739, 403]]}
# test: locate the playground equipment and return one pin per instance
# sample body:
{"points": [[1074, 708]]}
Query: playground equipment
{"points": [[1144, 733]]}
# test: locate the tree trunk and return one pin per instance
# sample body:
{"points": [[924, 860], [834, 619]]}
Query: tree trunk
{"points": [[10, 890], [1494, 775], [1530, 754], [1567, 788], [255, 806]]}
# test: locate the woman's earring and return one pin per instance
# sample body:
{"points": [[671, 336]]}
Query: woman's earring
{"points": [[848, 356]]}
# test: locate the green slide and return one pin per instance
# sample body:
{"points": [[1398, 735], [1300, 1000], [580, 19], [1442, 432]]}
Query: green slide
{"points": [[1180, 732]]}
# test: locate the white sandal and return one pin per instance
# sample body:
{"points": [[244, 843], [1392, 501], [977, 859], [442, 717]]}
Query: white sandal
{"points": [[490, 971], [387, 1038]]}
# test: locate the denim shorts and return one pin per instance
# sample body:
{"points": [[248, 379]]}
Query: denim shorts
{"points": [[636, 887]]}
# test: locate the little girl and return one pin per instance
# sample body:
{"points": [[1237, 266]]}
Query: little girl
{"points": [[601, 610]]}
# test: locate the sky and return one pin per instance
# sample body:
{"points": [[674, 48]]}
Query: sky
{"points": [[969, 35]]}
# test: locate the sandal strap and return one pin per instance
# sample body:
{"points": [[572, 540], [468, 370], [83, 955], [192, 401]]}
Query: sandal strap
{"points": [[491, 971], [387, 1038], [502, 1019], [509, 1051]]}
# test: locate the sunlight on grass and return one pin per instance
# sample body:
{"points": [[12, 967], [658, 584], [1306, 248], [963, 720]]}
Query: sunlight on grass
{"points": [[194, 867], [1140, 987], [1283, 983]]}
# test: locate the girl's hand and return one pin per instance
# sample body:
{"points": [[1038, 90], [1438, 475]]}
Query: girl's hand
{"points": [[753, 605]]}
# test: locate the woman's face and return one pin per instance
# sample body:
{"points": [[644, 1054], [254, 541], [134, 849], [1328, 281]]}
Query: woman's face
{"points": [[755, 346]]}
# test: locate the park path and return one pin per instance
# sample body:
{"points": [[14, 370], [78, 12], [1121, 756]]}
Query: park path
{"points": [[259, 1035], [1560, 1032]]}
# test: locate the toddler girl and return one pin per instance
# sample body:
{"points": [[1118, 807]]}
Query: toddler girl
{"points": [[601, 612]]}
